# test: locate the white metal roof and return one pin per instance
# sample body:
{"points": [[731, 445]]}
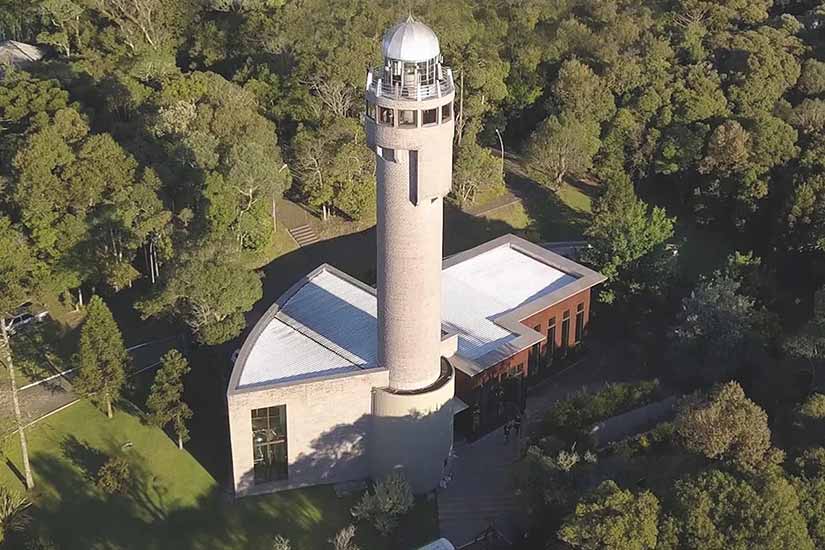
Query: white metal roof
{"points": [[327, 323], [327, 326], [339, 314], [411, 41], [12, 51], [283, 353], [476, 291]]}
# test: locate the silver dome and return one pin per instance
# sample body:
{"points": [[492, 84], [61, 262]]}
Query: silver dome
{"points": [[411, 41]]}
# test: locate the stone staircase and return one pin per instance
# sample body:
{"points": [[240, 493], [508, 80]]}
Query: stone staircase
{"points": [[304, 235], [462, 519]]}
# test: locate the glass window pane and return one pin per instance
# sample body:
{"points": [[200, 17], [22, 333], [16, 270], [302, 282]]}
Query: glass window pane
{"points": [[269, 444], [386, 116], [446, 112], [430, 116], [407, 118]]}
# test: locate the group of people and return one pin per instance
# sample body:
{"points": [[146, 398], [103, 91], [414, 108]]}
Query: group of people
{"points": [[514, 424]]}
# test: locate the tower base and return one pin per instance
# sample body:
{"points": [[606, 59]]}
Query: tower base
{"points": [[413, 431]]}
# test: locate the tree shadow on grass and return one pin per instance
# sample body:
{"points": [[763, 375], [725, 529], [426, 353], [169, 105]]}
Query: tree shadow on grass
{"points": [[84, 456], [554, 220]]}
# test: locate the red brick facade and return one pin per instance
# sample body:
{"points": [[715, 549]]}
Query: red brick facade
{"points": [[541, 323]]}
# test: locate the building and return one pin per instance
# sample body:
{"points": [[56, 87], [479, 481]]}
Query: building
{"points": [[18, 54], [339, 381]]}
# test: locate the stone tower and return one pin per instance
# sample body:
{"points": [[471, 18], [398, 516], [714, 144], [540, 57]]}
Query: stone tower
{"points": [[410, 127]]}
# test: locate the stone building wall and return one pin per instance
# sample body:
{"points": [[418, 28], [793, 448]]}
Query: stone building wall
{"points": [[328, 423]]}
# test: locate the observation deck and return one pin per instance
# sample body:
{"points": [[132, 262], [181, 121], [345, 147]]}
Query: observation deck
{"points": [[409, 89]]}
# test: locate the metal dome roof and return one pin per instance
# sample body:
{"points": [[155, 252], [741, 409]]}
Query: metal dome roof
{"points": [[411, 41]]}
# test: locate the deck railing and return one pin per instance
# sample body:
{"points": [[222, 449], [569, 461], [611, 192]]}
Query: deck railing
{"points": [[414, 92]]}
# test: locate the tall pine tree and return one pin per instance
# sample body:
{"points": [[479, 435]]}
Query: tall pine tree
{"points": [[165, 403], [103, 357]]}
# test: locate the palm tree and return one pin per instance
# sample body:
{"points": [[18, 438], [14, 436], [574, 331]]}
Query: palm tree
{"points": [[14, 513]]}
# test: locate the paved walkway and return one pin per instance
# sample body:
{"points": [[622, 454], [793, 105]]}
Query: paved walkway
{"points": [[482, 490]]}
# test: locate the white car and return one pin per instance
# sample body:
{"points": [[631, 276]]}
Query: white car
{"points": [[25, 315]]}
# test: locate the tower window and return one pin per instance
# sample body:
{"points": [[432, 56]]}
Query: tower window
{"points": [[446, 112], [407, 119], [429, 116], [269, 449], [370, 110], [386, 116]]}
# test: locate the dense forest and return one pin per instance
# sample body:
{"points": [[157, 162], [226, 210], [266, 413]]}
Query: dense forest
{"points": [[152, 142]]}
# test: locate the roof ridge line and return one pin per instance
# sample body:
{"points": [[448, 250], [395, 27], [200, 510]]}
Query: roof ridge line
{"points": [[316, 337]]}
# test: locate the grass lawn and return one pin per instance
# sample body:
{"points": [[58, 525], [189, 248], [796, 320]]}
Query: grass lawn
{"points": [[173, 503], [281, 243], [513, 214]]}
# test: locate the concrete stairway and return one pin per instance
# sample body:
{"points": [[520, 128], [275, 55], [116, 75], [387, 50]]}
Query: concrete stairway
{"points": [[462, 519], [304, 235], [482, 491]]}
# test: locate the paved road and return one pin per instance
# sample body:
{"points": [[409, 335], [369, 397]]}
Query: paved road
{"points": [[43, 398]]}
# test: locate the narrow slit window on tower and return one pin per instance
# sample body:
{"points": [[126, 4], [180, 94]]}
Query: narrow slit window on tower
{"points": [[407, 119], [386, 116], [429, 116], [413, 177], [446, 112], [370, 110]]}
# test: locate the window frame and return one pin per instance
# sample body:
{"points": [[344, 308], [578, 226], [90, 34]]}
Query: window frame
{"points": [[448, 107], [271, 445], [579, 328], [402, 123], [382, 111], [435, 113]]}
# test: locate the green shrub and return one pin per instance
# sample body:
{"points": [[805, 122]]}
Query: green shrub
{"points": [[113, 477], [281, 543], [391, 498], [573, 417]]}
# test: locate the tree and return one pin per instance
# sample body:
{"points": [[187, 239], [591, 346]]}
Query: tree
{"points": [[335, 169], [14, 513], [812, 506], [64, 23], [614, 518], [228, 150], [562, 145], [209, 295], [476, 172], [165, 402], [718, 511], [726, 425], [19, 273], [812, 79], [809, 342], [579, 93], [102, 356], [624, 236], [390, 498], [813, 407], [717, 330]]}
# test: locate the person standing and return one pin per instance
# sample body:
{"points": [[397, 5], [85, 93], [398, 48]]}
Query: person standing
{"points": [[507, 431], [517, 424]]}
